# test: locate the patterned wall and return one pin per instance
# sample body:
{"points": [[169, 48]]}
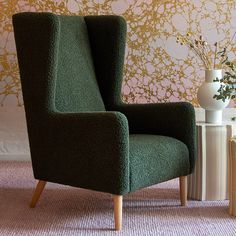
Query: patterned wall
{"points": [[157, 68]]}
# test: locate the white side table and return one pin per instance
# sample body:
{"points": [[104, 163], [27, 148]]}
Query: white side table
{"points": [[210, 180]]}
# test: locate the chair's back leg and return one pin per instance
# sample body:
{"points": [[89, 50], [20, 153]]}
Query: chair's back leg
{"points": [[39, 189], [183, 190]]}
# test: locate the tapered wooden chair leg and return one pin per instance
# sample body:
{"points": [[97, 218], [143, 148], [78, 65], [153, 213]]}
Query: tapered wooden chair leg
{"points": [[118, 199], [183, 190], [39, 189]]}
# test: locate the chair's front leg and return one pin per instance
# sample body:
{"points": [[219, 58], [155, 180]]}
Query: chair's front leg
{"points": [[183, 190], [118, 199], [39, 189]]}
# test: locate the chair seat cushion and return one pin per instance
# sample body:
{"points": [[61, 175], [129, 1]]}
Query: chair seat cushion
{"points": [[155, 159]]}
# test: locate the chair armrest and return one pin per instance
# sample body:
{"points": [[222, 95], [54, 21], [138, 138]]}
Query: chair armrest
{"points": [[170, 119], [89, 150]]}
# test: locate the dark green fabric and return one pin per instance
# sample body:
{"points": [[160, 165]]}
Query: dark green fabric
{"points": [[107, 37], [76, 86], [88, 149], [73, 140], [155, 158], [177, 120]]}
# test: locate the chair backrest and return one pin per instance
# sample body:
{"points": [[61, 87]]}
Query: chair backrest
{"points": [[56, 64], [76, 86]]}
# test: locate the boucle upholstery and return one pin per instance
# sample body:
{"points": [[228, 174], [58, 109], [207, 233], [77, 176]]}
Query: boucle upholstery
{"points": [[80, 132]]}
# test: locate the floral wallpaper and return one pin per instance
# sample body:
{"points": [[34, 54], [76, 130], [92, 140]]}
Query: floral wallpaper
{"points": [[157, 68]]}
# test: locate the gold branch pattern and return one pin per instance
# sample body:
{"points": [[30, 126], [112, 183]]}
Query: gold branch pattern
{"points": [[157, 68]]}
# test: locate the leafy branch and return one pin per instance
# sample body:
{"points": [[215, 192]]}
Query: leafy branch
{"points": [[227, 90]]}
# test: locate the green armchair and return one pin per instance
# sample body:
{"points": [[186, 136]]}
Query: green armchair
{"points": [[80, 132]]}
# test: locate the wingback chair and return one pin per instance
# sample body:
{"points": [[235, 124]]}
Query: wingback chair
{"points": [[80, 132]]}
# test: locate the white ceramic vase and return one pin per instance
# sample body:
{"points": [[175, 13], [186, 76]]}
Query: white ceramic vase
{"points": [[213, 108]]}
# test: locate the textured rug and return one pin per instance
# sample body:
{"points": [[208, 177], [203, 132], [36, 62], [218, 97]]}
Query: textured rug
{"points": [[64, 210]]}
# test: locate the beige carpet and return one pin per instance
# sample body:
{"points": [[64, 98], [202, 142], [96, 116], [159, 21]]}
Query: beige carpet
{"points": [[71, 211]]}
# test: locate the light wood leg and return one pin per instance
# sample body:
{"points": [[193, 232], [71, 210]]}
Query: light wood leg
{"points": [[39, 189], [118, 199], [183, 190]]}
